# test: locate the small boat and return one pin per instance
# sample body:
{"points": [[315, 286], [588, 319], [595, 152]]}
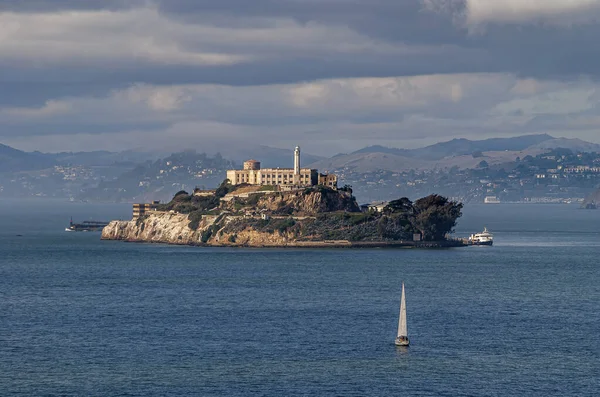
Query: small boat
{"points": [[491, 200], [86, 226], [402, 338], [483, 238]]}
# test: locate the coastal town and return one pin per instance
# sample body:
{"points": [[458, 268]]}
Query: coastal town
{"points": [[558, 176], [554, 176]]}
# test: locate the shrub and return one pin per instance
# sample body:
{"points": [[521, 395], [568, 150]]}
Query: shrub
{"points": [[253, 200], [206, 235], [284, 224], [195, 217], [179, 193]]}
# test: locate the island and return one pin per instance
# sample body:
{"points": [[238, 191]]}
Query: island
{"points": [[246, 215]]}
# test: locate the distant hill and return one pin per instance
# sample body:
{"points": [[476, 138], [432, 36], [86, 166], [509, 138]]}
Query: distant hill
{"points": [[384, 149], [462, 153], [368, 162], [462, 146], [105, 158], [576, 145], [12, 159]]}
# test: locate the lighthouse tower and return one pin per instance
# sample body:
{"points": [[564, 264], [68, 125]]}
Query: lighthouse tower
{"points": [[297, 165]]}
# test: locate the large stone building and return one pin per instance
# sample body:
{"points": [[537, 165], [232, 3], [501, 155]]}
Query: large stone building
{"points": [[252, 174]]}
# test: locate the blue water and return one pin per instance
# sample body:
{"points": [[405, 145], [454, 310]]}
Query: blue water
{"points": [[80, 316]]}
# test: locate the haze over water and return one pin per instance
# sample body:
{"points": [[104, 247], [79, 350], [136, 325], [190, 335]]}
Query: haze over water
{"points": [[80, 316]]}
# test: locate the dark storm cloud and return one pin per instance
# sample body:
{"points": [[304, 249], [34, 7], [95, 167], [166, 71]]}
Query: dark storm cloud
{"points": [[25, 86], [531, 50], [543, 50], [394, 20]]}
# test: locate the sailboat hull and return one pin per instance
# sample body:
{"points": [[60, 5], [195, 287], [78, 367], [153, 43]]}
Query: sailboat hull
{"points": [[401, 342]]}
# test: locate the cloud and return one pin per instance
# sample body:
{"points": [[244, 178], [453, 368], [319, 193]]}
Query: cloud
{"points": [[562, 12], [165, 98], [84, 37], [49, 109], [144, 34], [359, 111], [476, 14]]}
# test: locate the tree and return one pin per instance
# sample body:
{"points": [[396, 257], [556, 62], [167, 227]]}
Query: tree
{"points": [[435, 216], [483, 164], [346, 188], [224, 188], [402, 205]]}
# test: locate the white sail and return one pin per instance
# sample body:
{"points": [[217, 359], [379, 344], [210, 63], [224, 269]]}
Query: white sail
{"points": [[402, 329]]}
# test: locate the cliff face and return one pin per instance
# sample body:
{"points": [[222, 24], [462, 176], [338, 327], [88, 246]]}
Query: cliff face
{"points": [[169, 228], [307, 202], [160, 227], [283, 217]]}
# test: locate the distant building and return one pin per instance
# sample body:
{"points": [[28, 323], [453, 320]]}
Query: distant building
{"points": [[140, 209], [204, 193], [491, 200], [253, 174], [377, 206]]}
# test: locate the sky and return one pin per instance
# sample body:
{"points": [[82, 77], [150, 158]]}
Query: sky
{"points": [[330, 75]]}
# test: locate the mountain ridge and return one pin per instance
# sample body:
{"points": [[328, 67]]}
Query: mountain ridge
{"points": [[458, 152], [462, 146]]}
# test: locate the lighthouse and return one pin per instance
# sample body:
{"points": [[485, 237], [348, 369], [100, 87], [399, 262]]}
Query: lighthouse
{"points": [[297, 165]]}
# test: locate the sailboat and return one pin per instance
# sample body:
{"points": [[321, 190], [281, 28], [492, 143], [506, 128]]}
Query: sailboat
{"points": [[402, 338]]}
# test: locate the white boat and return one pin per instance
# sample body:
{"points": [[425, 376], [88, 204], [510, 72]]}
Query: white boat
{"points": [[491, 200], [483, 238], [402, 338]]}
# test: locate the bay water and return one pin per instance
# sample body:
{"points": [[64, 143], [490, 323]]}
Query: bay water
{"points": [[85, 317]]}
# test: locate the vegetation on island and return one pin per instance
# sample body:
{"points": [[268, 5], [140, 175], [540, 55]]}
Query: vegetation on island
{"points": [[315, 213]]}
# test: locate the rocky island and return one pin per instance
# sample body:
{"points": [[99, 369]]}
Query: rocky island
{"points": [[264, 216]]}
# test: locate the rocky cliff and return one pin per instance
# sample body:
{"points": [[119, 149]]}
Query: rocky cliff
{"points": [[261, 218]]}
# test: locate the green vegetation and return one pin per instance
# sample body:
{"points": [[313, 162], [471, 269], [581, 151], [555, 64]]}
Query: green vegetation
{"points": [[207, 234], [195, 217], [433, 216], [224, 188], [319, 213]]}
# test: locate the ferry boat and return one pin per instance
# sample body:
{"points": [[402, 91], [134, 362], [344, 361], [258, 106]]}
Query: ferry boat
{"points": [[491, 200], [86, 226], [483, 238]]}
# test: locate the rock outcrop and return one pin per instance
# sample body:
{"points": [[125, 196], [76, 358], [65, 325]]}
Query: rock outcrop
{"points": [[312, 217], [158, 227]]}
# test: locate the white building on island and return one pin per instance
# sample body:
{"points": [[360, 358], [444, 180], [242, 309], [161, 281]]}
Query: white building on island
{"points": [[252, 174]]}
